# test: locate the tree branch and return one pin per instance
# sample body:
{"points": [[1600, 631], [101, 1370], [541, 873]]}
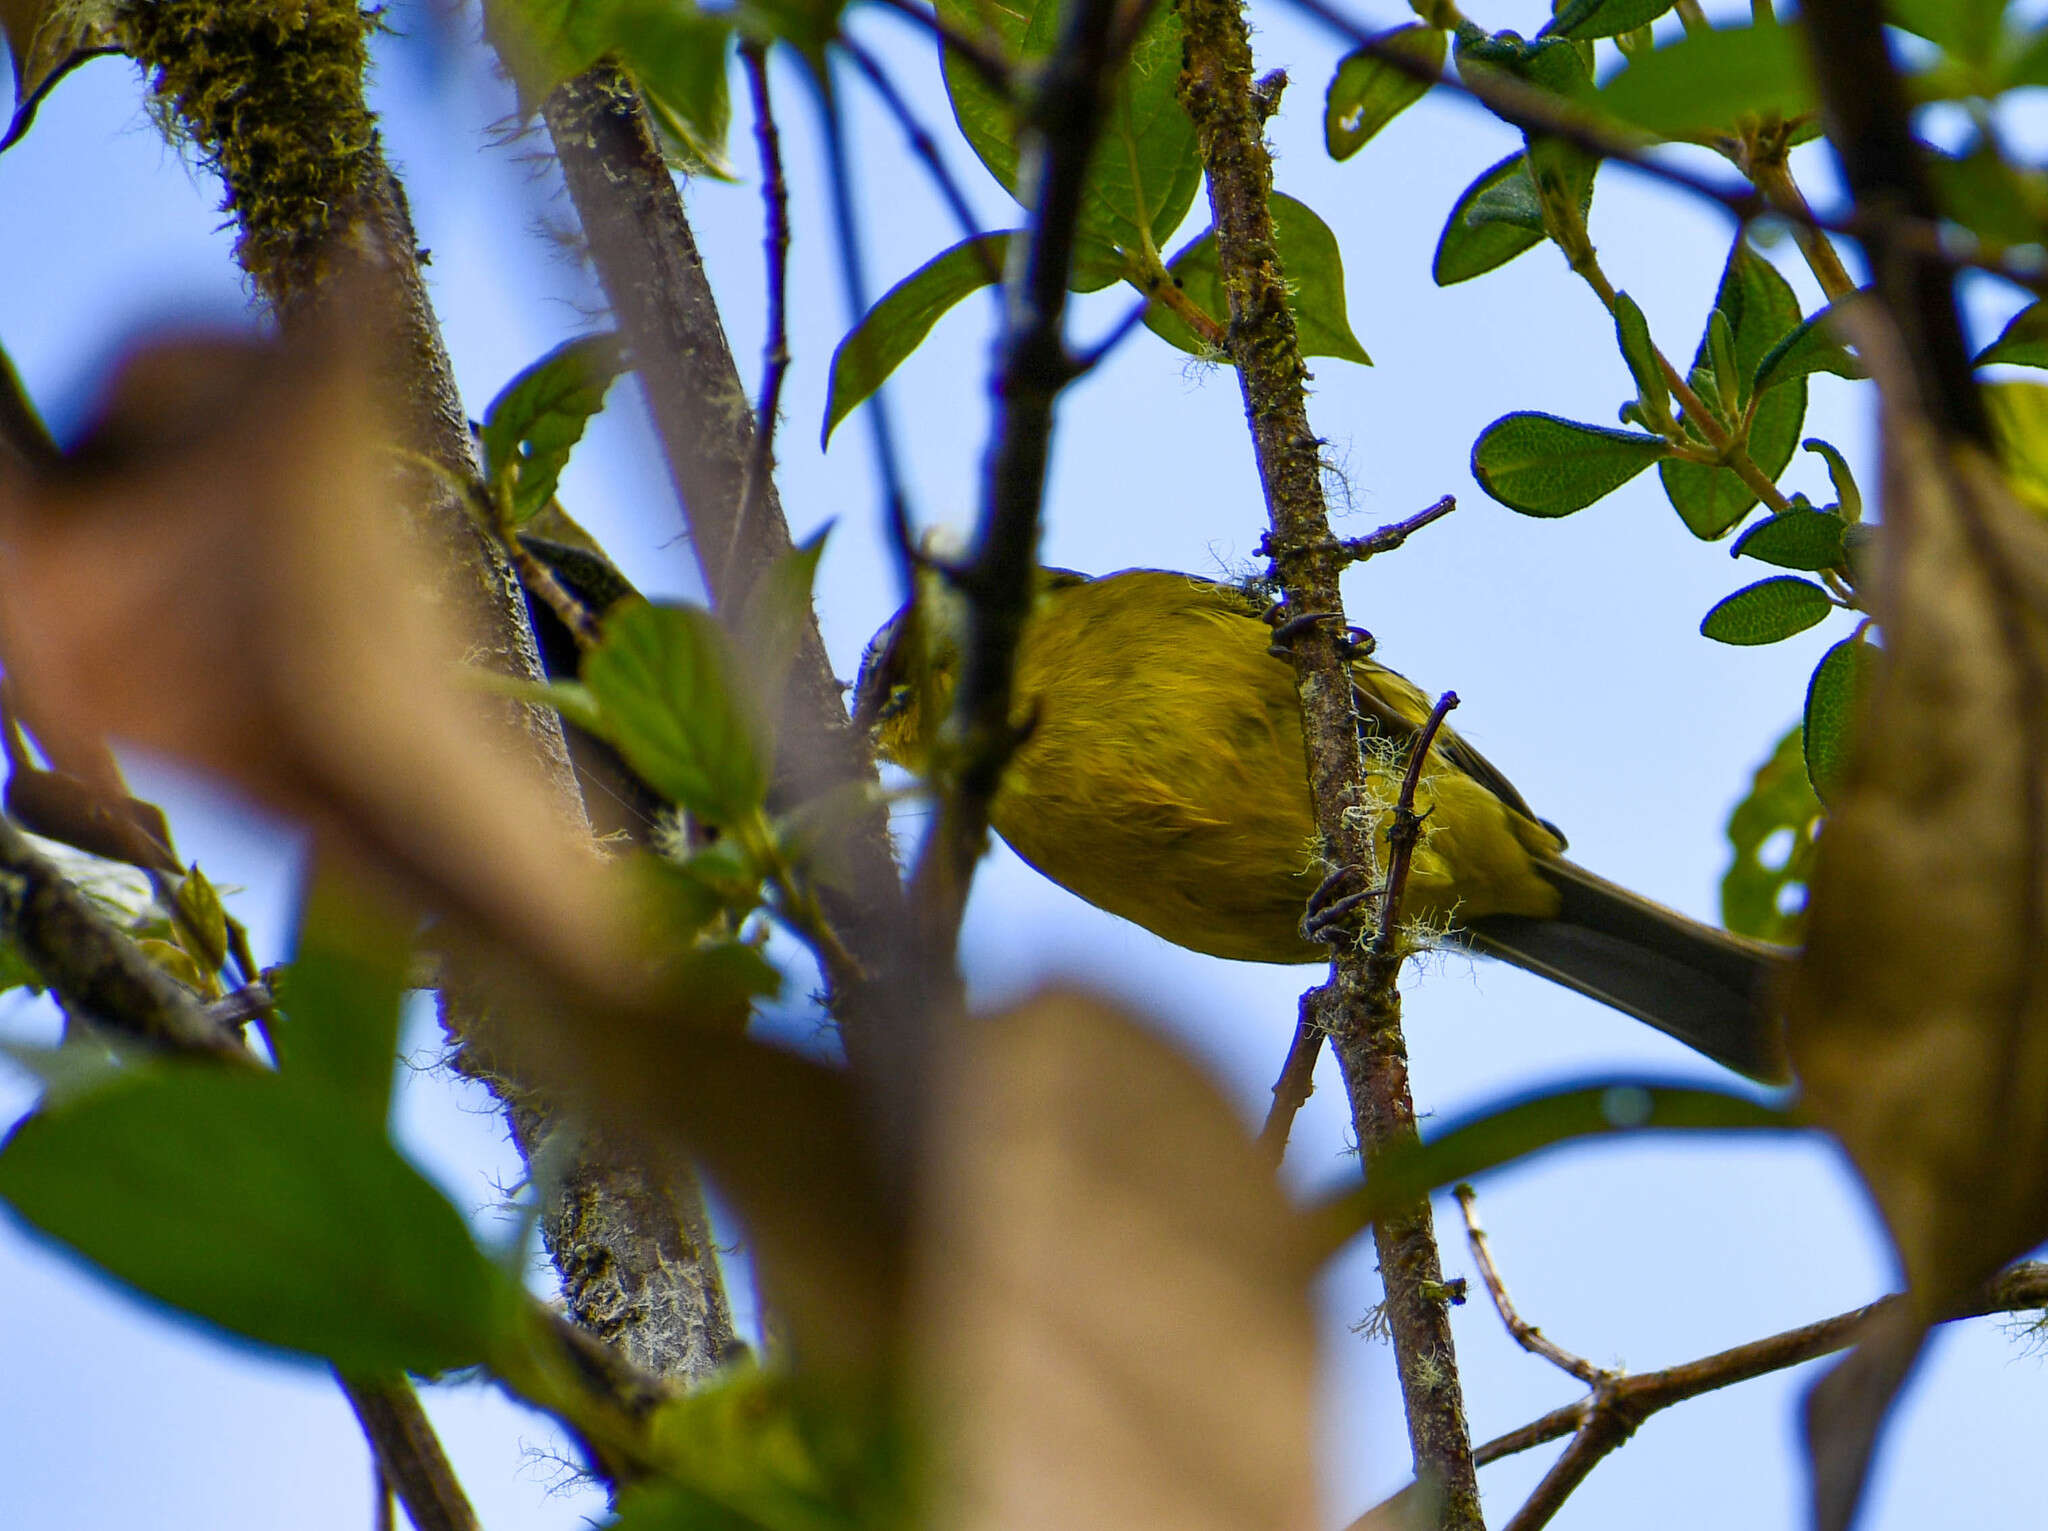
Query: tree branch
{"points": [[1364, 1016], [409, 1457]]}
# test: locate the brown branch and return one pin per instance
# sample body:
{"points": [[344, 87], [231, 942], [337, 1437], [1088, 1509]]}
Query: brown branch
{"points": [[1217, 90], [410, 1461]]}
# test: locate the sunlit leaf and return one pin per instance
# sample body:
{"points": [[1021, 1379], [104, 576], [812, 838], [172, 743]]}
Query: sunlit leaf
{"points": [[1367, 93], [1701, 84], [536, 420], [217, 1192], [1763, 894], [2019, 425], [1808, 349], [669, 697], [1767, 612], [1315, 286], [1544, 466], [1605, 18], [898, 323], [2023, 342]]}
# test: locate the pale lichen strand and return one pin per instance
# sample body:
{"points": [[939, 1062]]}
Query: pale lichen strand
{"points": [[271, 96]]}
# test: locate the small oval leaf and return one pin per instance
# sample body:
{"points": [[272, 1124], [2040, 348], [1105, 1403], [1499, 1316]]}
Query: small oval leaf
{"points": [[1795, 539], [1767, 612], [1367, 92], [1834, 700], [1582, 19], [1466, 249], [1544, 466], [1810, 348]]}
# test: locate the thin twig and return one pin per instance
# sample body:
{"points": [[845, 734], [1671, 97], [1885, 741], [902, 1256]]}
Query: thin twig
{"points": [[921, 143], [997, 71], [1062, 122], [1297, 1081], [1229, 113], [775, 348], [410, 1460], [1525, 1334]]}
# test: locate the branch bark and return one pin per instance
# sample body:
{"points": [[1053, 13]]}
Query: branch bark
{"points": [[1364, 1014], [273, 99]]}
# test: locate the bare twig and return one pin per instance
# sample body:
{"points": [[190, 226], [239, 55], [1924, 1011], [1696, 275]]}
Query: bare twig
{"points": [[410, 1461], [775, 246], [921, 142], [1061, 125], [1297, 1081], [1364, 1016], [1525, 1334]]}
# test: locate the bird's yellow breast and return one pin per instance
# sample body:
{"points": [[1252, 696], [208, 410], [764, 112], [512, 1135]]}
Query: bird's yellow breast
{"points": [[1162, 777]]}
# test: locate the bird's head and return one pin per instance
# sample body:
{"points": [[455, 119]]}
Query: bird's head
{"points": [[905, 689]]}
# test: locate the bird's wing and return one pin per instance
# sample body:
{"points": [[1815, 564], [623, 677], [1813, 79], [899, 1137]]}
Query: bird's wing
{"points": [[1397, 709]]}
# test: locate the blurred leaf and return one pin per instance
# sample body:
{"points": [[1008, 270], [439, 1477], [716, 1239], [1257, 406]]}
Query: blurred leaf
{"points": [[1147, 144], [719, 981], [1834, 702], [1544, 466], [1605, 18], [217, 1192], [46, 40], [1367, 93], [341, 996], [1499, 1135], [678, 56], [203, 928], [1315, 286], [1632, 333], [16, 971], [1767, 612], [1755, 893], [1102, 1243], [537, 418], [2001, 204], [2019, 426], [176, 961], [679, 898], [669, 697], [1969, 29], [1760, 309], [2023, 342], [1700, 85], [1808, 349], [1795, 539], [898, 323], [814, 834], [772, 619], [1466, 249]]}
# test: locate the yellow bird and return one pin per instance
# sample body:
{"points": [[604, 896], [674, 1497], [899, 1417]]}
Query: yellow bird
{"points": [[1162, 777]]}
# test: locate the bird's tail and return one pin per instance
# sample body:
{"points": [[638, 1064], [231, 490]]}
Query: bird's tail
{"points": [[1709, 989]]}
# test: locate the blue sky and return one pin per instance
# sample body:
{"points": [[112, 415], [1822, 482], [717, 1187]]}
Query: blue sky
{"points": [[1573, 645]]}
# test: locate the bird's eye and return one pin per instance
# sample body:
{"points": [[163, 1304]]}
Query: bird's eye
{"points": [[899, 700]]}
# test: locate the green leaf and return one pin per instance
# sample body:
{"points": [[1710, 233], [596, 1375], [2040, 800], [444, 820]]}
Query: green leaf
{"points": [[1315, 286], [1767, 612], [217, 1192], [1780, 809], [2019, 427], [1795, 539], [1834, 702], [1467, 248], [1848, 498], [1730, 378], [46, 40], [341, 996], [677, 899], [897, 325], [1699, 86], [1632, 333], [536, 421], [1810, 348], [1145, 170], [2023, 342], [1513, 201], [1968, 29], [772, 620], [2002, 204], [678, 56], [1760, 309], [1367, 93], [1544, 466], [670, 700], [1500, 1135], [1605, 18], [203, 920], [718, 982]]}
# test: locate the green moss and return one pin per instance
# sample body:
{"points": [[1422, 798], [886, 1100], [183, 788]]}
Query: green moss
{"points": [[271, 94]]}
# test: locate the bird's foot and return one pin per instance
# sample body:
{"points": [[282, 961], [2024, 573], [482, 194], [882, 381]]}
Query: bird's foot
{"points": [[1329, 908]]}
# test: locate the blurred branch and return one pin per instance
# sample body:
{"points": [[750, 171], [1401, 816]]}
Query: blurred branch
{"points": [[25, 442], [775, 244], [1362, 1008], [410, 1461], [921, 142], [640, 242]]}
